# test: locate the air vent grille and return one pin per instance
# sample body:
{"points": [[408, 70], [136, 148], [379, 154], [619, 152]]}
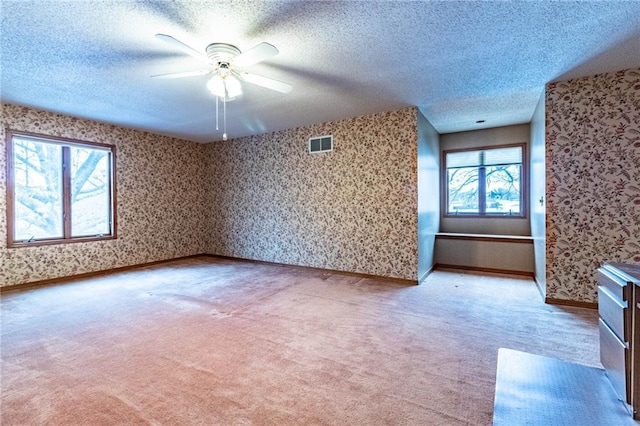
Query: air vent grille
{"points": [[321, 144]]}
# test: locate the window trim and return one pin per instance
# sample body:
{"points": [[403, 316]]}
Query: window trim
{"points": [[524, 182], [67, 238]]}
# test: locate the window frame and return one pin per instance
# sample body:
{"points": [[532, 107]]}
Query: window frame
{"points": [[524, 186], [66, 189]]}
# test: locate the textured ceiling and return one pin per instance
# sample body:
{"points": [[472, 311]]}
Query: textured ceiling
{"points": [[457, 61]]}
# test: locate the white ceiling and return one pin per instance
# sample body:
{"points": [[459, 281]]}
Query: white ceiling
{"points": [[457, 61]]}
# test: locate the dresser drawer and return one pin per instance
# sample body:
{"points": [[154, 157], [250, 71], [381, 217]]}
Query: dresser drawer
{"points": [[615, 313], [614, 355], [616, 285]]}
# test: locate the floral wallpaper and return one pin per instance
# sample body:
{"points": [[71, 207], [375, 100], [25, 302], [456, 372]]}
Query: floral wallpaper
{"points": [[593, 179], [264, 197], [160, 200], [353, 209]]}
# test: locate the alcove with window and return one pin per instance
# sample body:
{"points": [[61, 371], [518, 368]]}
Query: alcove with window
{"points": [[484, 222]]}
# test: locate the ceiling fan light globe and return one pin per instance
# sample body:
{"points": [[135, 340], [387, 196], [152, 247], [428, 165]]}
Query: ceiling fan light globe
{"points": [[216, 87], [233, 86]]}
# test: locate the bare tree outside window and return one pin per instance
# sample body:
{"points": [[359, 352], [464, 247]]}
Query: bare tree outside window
{"points": [[59, 191], [484, 182], [89, 192], [463, 190], [503, 189], [37, 190]]}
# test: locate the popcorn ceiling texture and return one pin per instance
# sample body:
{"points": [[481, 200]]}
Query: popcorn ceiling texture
{"points": [[458, 61], [160, 210], [593, 179], [353, 209]]}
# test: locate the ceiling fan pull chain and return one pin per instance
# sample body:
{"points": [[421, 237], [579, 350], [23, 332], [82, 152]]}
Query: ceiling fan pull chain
{"points": [[224, 118], [217, 113]]}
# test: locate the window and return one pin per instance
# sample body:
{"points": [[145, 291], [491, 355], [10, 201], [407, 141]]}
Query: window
{"points": [[485, 182], [58, 190]]}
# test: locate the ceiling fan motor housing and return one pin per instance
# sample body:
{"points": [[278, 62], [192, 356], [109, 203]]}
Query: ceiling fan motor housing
{"points": [[222, 52]]}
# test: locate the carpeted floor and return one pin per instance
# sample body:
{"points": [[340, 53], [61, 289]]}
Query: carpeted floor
{"points": [[223, 342]]}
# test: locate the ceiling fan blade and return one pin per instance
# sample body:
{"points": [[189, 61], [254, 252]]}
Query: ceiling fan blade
{"points": [[183, 74], [256, 54], [180, 45], [269, 83]]}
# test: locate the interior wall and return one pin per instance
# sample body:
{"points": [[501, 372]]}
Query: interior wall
{"points": [[537, 192], [486, 255], [478, 138], [160, 200], [353, 209], [593, 170], [428, 193]]}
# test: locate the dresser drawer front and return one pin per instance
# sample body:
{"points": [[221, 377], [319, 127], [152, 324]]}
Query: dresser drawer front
{"points": [[614, 356], [614, 312], [616, 285]]}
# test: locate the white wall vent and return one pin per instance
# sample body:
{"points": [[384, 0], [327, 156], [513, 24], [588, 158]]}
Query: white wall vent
{"points": [[321, 144]]}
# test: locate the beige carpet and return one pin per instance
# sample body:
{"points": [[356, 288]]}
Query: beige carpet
{"points": [[222, 342]]}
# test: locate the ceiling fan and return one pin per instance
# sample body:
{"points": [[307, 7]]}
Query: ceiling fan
{"points": [[226, 64]]}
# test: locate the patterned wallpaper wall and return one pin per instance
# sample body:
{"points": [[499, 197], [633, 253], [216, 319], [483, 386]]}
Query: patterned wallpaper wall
{"points": [[353, 209], [593, 179], [160, 200]]}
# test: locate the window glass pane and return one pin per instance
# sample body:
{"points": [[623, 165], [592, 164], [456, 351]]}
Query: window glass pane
{"points": [[503, 189], [90, 200], [326, 144], [38, 190], [463, 190]]}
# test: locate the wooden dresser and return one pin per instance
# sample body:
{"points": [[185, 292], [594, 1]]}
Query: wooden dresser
{"points": [[619, 310]]}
